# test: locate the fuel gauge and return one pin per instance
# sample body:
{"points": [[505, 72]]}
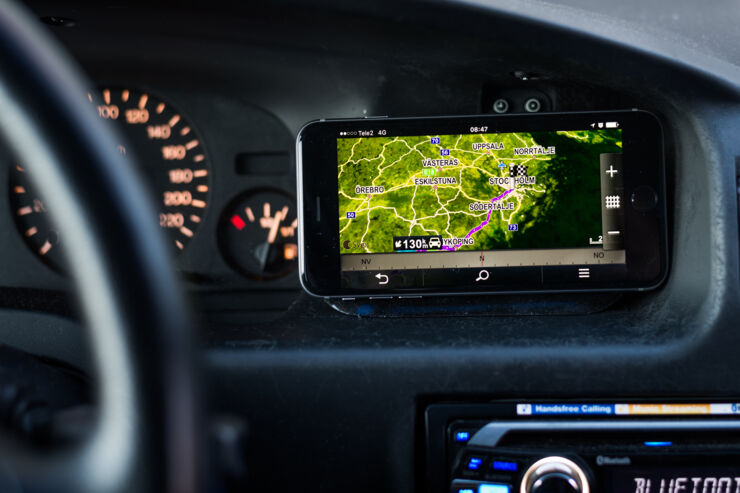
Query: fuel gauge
{"points": [[257, 234]]}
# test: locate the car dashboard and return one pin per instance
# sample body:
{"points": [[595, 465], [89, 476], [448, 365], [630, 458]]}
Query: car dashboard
{"points": [[338, 393]]}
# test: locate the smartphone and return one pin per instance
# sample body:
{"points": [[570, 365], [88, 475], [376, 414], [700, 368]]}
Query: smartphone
{"points": [[412, 207]]}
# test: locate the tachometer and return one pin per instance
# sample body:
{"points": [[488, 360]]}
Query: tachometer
{"points": [[167, 146], [32, 220]]}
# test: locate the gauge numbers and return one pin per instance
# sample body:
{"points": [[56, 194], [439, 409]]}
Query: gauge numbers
{"points": [[167, 147], [32, 220], [171, 152]]}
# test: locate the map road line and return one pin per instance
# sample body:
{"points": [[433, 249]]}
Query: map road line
{"points": [[480, 226]]}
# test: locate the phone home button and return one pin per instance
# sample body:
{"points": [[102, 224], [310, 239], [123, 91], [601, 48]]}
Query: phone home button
{"points": [[644, 198]]}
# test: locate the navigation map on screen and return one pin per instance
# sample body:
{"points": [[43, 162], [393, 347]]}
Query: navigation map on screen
{"points": [[486, 191]]}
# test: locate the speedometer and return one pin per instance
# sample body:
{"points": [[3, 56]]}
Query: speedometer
{"points": [[173, 159], [170, 150]]}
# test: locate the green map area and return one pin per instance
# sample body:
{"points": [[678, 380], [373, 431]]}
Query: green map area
{"points": [[478, 192]]}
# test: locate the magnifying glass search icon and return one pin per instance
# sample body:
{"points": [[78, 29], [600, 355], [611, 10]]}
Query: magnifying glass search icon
{"points": [[483, 276]]}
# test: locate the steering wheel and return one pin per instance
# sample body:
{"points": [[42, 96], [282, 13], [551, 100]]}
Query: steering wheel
{"points": [[144, 438]]}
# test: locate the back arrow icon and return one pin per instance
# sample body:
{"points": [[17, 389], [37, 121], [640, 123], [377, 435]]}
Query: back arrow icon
{"points": [[382, 278]]}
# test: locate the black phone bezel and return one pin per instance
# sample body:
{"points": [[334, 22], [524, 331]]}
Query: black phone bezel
{"points": [[646, 230]]}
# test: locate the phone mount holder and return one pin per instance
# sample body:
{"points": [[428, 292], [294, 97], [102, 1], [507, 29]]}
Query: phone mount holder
{"points": [[491, 305]]}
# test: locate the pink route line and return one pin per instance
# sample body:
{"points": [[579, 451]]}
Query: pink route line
{"points": [[484, 223]]}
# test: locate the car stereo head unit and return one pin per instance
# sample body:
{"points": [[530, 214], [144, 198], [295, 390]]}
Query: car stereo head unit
{"points": [[415, 206], [586, 448]]}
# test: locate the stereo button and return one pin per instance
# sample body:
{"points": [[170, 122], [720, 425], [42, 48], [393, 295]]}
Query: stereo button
{"points": [[475, 463], [555, 483], [462, 486], [554, 475]]}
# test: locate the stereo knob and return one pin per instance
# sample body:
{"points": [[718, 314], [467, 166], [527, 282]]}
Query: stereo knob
{"points": [[555, 475]]}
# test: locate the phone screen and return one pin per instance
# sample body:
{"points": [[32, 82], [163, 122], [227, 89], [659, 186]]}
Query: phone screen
{"points": [[481, 200], [465, 204]]}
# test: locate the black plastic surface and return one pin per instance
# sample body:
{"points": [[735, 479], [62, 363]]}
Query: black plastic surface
{"points": [[335, 401]]}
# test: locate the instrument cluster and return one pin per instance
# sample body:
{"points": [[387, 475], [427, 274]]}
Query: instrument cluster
{"points": [[220, 172]]}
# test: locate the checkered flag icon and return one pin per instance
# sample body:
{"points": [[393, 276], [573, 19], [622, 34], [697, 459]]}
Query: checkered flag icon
{"points": [[517, 170]]}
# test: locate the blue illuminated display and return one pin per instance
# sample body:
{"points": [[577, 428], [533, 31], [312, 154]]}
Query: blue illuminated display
{"points": [[474, 463], [493, 488], [658, 444], [504, 466], [466, 490], [462, 436]]}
